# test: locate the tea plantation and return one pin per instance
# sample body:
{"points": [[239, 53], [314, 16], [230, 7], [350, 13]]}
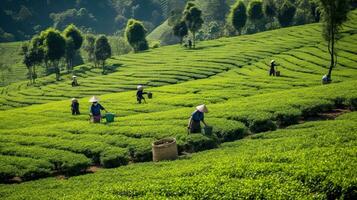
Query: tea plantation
{"points": [[315, 160], [312, 160]]}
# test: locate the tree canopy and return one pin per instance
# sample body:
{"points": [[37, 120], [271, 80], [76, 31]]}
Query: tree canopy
{"points": [[135, 33], [238, 16], [286, 13], [193, 17], [102, 50], [334, 13], [255, 10]]}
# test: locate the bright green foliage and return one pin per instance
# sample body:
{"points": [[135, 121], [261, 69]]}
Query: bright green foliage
{"points": [[255, 10], [238, 16], [315, 160], [231, 79], [135, 33]]}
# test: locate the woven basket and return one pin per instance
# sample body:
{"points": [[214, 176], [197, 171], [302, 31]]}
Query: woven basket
{"points": [[164, 149]]}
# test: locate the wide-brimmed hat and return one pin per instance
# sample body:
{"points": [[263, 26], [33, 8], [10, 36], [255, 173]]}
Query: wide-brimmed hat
{"points": [[140, 87], [272, 61], [93, 99], [73, 99], [74, 76], [202, 108]]}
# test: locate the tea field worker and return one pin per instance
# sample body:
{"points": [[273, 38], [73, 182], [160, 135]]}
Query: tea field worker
{"points": [[194, 123], [189, 44], [139, 94], [326, 79], [74, 81], [95, 110], [75, 107], [272, 68]]}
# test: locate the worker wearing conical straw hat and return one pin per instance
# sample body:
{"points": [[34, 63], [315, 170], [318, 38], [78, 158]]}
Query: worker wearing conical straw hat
{"points": [[74, 81], [75, 107], [139, 94], [194, 124], [95, 110], [272, 68]]}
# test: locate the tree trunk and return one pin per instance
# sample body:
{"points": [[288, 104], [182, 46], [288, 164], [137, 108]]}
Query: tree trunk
{"points": [[57, 69], [34, 73], [194, 39], [30, 74], [103, 66], [331, 49]]}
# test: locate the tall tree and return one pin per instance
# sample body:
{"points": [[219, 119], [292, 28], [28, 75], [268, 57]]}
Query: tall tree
{"points": [[135, 33], [238, 16], [37, 53], [69, 53], [33, 55], [102, 50], [286, 13], [74, 41], [27, 60], [54, 45], [180, 30], [334, 13], [255, 10], [192, 15], [269, 9], [90, 47]]}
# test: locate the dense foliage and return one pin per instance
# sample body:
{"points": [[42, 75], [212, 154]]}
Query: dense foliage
{"points": [[21, 19], [135, 33], [238, 16]]}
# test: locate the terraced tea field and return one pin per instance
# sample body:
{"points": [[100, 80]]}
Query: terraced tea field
{"points": [[230, 75], [315, 160]]}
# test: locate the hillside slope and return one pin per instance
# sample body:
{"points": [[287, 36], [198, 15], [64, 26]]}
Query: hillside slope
{"points": [[229, 75], [296, 46]]}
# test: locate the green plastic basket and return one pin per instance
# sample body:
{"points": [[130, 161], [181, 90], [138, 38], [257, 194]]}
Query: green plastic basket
{"points": [[109, 117]]}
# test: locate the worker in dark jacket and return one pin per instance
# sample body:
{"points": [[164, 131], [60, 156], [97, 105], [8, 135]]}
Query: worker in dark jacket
{"points": [[74, 81], [75, 107], [194, 123], [95, 110], [272, 68], [139, 94]]}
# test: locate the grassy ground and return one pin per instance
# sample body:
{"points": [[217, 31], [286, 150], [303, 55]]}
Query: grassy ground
{"points": [[230, 76]]}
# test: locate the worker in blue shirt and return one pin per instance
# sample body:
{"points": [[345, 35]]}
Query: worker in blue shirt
{"points": [[194, 124], [95, 110]]}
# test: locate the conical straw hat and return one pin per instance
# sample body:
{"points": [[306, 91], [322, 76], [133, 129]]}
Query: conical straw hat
{"points": [[272, 61], [202, 108], [140, 87], [93, 99], [74, 76], [74, 99]]}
